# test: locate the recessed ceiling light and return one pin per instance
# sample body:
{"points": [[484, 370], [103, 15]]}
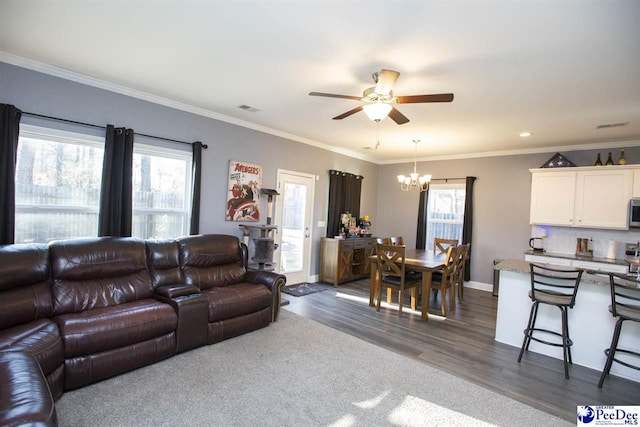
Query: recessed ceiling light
{"points": [[248, 108], [525, 134]]}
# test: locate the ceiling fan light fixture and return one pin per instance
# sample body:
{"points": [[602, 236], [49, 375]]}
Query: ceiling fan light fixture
{"points": [[377, 111]]}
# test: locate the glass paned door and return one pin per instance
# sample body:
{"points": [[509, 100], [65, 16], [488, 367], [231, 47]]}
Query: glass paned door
{"points": [[293, 213]]}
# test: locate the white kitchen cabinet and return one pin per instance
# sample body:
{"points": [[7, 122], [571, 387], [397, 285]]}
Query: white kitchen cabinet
{"points": [[589, 197], [553, 198], [602, 198], [636, 183]]}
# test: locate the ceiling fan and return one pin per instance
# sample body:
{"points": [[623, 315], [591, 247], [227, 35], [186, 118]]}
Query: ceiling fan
{"points": [[378, 100]]}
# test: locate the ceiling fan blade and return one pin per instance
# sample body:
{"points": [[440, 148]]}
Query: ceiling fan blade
{"points": [[386, 79], [348, 113], [332, 95], [397, 116], [414, 99]]}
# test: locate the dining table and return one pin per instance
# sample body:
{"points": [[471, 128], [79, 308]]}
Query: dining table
{"points": [[420, 260]]}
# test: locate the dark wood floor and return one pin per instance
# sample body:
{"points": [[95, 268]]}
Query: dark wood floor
{"points": [[463, 344]]}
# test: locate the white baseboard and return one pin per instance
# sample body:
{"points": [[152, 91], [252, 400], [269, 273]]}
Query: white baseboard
{"points": [[488, 287]]}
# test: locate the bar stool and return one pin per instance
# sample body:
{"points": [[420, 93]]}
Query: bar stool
{"points": [[625, 305], [557, 287]]}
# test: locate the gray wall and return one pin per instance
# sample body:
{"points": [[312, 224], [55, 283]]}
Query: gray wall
{"points": [[44, 94], [502, 190]]}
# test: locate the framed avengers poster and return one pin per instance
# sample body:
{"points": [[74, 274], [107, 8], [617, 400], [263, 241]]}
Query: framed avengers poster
{"points": [[245, 180]]}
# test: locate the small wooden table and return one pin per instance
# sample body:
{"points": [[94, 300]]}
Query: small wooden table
{"points": [[420, 260]]}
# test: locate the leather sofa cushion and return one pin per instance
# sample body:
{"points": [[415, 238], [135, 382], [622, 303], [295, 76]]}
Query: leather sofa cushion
{"points": [[91, 258], [25, 290], [101, 329], [78, 296], [211, 260], [25, 398], [236, 300], [163, 260], [22, 264], [40, 338], [98, 272]]}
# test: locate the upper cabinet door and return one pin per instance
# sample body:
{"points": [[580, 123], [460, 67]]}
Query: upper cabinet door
{"points": [[553, 198], [602, 198]]}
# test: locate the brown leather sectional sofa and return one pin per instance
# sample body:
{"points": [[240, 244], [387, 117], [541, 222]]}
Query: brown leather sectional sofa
{"points": [[79, 311]]}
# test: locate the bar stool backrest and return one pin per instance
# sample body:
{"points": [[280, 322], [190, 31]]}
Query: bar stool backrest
{"points": [[625, 297], [554, 285]]}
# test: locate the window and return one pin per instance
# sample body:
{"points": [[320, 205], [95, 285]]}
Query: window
{"points": [[58, 177], [58, 181], [161, 192], [445, 216]]}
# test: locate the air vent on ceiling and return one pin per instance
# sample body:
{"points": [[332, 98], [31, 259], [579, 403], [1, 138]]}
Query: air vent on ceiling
{"points": [[248, 108], [612, 125]]}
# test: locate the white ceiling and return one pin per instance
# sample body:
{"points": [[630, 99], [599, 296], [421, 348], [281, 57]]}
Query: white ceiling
{"points": [[555, 68]]}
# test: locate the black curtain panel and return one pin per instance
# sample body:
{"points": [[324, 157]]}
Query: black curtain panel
{"points": [[9, 131], [196, 179], [115, 217], [344, 196], [423, 212], [467, 227]]}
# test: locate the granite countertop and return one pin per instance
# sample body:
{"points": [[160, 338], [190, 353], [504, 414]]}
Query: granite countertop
{"points": [[578, 257], [589, 276]]}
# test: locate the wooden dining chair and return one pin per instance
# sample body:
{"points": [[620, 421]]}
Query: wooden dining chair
{"points": [[398, 240], [440, 246], [448, 280], [464, 256], [392, 275]]}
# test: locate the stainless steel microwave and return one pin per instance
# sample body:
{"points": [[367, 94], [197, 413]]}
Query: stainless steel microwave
{"points": [[634, 213]]}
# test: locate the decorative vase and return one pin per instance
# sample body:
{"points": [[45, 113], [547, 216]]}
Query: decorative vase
{"points": [[598, 161], [623, 159]]}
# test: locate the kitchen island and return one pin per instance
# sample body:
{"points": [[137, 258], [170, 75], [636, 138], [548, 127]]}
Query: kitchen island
{"points": [[590, 322]]}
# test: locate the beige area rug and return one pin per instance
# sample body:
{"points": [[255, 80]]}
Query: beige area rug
{"points": [[296, 372]]}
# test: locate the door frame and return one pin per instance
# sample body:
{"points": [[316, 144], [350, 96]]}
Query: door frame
{"points": [[278, 212]]}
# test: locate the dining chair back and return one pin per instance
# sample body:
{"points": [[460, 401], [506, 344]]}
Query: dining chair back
{"points": [[392, 274], [383, 240], [440, 245], [398, 241]]}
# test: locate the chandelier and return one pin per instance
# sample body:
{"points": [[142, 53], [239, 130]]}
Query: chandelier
{"points": [[414, 181]]}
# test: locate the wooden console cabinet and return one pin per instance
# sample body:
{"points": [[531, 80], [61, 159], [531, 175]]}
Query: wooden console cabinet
{"points": [[342, 260]]}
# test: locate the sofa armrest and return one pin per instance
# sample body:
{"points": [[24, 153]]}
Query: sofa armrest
{"points": [[268, 278], [274, 281], [176, 290]]}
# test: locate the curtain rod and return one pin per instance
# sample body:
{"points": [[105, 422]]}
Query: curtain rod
{"points": [[26, 113], [447, 179]]}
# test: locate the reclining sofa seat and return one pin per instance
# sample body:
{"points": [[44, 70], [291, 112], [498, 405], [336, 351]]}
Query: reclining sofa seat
{"points": [[239, 301], [27, 305], [103, 304]]}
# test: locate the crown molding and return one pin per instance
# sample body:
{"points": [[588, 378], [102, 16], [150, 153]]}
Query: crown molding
{"points": [[123, 90], [144, 96]]}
